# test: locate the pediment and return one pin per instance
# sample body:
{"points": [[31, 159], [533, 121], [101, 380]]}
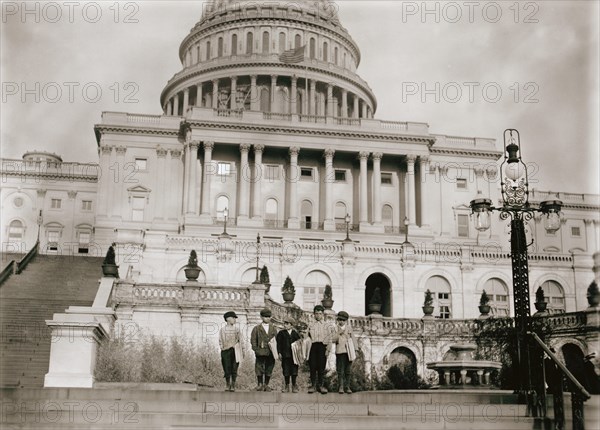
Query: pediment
{"points": [[139, 189]]}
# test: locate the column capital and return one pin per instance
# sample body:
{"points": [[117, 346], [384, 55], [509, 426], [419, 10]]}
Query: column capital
{"points": [[424, 159], [175, 154], [259, 147], [106, 149], [194, 144], [121, 150], [313, 83], [294, 151], [329, 152], [344, 91], [491, 172], [72, 194], [588, 221], [363, 155], [215, 81], [253, 78], [208, 145], [377, 156], [478, 171], [244, 147], [411, 158], [161, 152], [41, 192], [274, 76], [233, 78], [186, 90], [294, 79]]}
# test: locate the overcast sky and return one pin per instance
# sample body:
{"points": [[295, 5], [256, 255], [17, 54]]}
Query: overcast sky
{"points": [[484, 67]]}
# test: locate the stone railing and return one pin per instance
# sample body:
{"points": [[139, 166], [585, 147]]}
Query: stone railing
{"points": [[50, 170], [574, 198], [566, 322], [191, 294], [394, 125], [277, 116], [142, 118]]}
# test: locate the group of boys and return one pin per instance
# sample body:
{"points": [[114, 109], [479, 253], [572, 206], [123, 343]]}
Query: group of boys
{"points": [[322, 336]]}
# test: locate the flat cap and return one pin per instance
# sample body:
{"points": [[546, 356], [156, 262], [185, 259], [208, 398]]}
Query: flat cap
{"points": [[343, 315], [265, 313], [229, 314], [318, 308]]}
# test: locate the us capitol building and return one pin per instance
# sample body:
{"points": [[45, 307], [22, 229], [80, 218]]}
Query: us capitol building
{"points": [[269, 129]]}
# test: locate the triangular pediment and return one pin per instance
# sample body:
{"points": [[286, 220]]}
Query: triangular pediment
{"points": [[139, 189]]}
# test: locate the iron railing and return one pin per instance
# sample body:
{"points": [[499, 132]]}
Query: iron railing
{"points": [[21, 265], [578, 396]]}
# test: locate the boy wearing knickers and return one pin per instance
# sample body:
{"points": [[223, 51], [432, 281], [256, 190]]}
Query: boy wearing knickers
{"points": [[285, 338], [260, 337]]}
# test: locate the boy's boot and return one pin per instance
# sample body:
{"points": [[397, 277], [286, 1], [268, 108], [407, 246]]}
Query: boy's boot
{"points": [[233, 378], [340, 383]]}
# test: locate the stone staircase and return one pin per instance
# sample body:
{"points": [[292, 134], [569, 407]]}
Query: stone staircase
{"points": [[186, 408], [49, 284]]}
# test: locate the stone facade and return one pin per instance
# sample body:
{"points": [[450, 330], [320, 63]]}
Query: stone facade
{"points": [[290, 149]]}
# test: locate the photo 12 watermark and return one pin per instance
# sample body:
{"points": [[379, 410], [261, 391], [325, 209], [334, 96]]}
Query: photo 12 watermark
{"points": [[27, 12]]}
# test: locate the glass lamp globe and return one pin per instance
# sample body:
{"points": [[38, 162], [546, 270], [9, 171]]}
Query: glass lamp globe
{"points": [[482, 220], [552, 222], [514, 171]]}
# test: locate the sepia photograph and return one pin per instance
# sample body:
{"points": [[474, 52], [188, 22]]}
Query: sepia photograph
{"points": [[300, 214]]}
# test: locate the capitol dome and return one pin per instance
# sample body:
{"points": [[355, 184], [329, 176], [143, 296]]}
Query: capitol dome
{"points": [[277, 57]]}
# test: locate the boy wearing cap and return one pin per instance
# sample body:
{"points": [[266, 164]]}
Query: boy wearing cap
{"points": [[230, 338], [320, 334], [342, 351], [260, 337], [285, 338]]}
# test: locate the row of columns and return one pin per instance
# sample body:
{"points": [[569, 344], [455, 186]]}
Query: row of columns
{"points": [[360, 108], [194, 180]]}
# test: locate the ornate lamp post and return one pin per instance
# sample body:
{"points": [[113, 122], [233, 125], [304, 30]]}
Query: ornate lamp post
{"points": [[225, 215], [347, 220], [257, 280], [515, 205]]}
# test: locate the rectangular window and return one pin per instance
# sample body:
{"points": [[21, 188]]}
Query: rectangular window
{"points": [[55, 203], [86, 205], [575, 231], [53, 240], [223, 169], [271, 172], [463, 225], [141, 163], [84, 242], [306, 172], [139, 203], [386, 179], [461, 184], [340, 176]]}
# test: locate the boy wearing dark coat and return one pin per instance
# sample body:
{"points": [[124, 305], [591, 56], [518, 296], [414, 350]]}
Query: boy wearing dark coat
{"points": [[260, 338], [285, 338]]}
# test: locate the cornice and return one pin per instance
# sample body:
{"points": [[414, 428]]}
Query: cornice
{"points": [[298, 69], [61, 177], [310, 131], [123, 129], [466, 152]]}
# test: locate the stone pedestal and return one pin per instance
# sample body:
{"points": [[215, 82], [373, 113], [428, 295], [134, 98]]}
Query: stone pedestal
{"points": [[75, 338]]}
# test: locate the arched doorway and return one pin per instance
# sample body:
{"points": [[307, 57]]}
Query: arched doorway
{"points": [[403, 369], [574, 360], [381, 282]]}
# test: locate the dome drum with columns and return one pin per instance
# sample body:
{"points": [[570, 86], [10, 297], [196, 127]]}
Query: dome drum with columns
{"points": [[231, 61]]}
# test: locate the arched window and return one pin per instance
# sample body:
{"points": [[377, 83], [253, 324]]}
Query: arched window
{"points": [[281, 42], [249, 42], [313, 47], [344, 64], [325, 52], [222, 203], [234, 44], [16, 231], [306, 214], [265, 42], [340, 216], [555, 296], [220, 47], [314, 287], [497, 291], [440, 288], [387, 216], [207, 50], [298, 41], [265, 100], [335, 55], [271, 210], [198, 54]]}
